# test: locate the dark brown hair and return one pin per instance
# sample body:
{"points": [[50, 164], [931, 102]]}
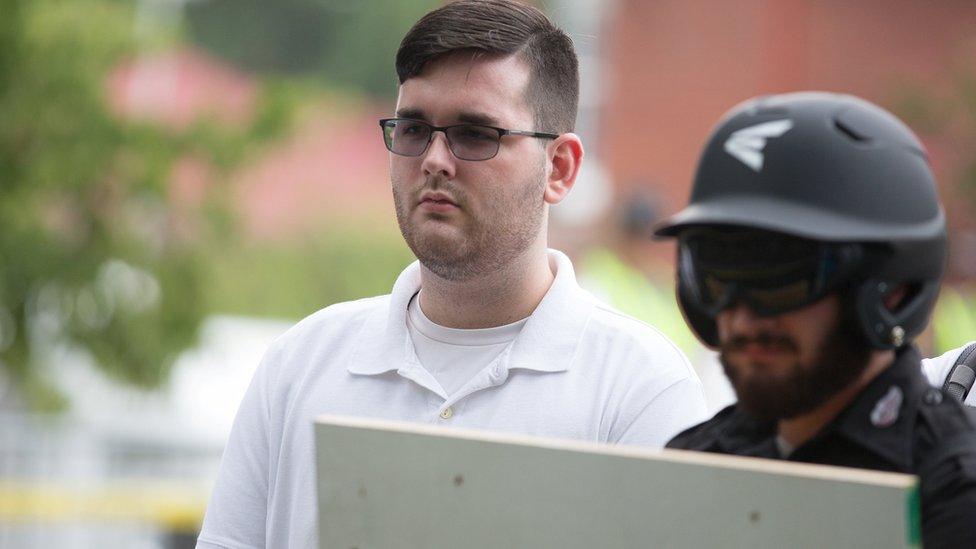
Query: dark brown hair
{"points": [[502, 27]]}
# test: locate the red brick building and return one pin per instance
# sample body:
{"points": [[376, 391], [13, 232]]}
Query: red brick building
{"points": [[672, 67]]}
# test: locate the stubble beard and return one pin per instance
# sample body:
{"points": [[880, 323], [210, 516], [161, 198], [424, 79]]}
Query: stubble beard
{"points": [[842, 358], [507, 226]]}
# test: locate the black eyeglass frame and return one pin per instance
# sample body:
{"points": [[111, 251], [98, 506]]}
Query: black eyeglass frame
{"points": [[502, 132]]}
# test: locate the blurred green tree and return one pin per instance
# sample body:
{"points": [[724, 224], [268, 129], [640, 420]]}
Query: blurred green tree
{"points": [[347, 44], [946, 114], [346, 260], [90, 254]]}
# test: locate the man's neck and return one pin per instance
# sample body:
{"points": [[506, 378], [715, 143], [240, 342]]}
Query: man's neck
{"points": [[495, 299], [798, 430]]}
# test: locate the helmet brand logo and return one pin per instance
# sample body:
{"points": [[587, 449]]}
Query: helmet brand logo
{"points": [[747, 144]]}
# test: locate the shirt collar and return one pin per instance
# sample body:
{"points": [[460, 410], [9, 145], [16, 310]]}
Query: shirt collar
{"points": [[547, 342], [882, 418], [549, 339], [744, 435], [383, 342]]}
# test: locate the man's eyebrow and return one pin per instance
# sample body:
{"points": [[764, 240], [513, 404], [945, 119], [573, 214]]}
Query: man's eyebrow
{"points": [[416, 114], [464, 117], [477, 118]]}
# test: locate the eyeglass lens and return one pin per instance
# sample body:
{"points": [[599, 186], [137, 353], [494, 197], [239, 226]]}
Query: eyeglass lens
{"points": [[467, 141]]}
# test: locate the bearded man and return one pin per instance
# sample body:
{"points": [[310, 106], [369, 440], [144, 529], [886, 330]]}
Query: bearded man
{"points": [[489, 329], [811, 256]]}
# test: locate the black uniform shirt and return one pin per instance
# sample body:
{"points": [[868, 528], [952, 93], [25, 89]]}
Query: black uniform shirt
{"points": [[897, 423]]}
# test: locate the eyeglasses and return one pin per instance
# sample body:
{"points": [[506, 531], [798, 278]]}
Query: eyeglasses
{"points": [[770, 273], [407, 137]]}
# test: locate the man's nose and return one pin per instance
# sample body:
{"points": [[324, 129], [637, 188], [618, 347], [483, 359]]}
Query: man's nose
{"points": [[438, 158]]}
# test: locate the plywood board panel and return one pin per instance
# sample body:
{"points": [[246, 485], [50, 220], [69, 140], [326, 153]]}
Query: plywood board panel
{"points": [[390, 484]]}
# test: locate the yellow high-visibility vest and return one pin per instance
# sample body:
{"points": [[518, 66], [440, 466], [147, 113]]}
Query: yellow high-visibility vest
{"points": [[954, 319], [632, 292]]}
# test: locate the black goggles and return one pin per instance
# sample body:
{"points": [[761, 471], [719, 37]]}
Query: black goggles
{"points": [[771, 273]]}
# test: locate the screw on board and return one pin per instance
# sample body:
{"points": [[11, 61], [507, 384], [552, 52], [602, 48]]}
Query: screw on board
{"points": [[362, 490], [458, 480], [754, 517]]}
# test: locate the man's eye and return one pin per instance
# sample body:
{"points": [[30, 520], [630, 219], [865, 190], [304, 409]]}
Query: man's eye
{"points": [[411, 129], [476, 133]]}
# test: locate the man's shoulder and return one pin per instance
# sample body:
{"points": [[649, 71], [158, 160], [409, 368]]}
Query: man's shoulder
{"points": [[628, 331], [319, 337], [344, 311], [633, 349], [941, 419], [336, 318], [944, 458], [704, 436]]}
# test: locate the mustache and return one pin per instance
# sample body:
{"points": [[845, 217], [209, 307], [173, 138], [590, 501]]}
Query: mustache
{"points": [[440, 184], [762, 339]]}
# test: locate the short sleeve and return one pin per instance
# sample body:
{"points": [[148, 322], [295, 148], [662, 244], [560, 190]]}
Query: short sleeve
{"points": [[679, 406], [937, 369], [236, 514]]}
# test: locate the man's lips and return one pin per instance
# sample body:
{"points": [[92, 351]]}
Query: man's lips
{"points": [[755, 350], [763, 346], [437, 202]]}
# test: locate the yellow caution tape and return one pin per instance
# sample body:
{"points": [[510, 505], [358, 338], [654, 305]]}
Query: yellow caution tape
{"points": [[172, 506]]}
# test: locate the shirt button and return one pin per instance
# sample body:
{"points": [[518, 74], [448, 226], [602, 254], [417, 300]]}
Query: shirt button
{"points": [[932, 397], [448, 413]]}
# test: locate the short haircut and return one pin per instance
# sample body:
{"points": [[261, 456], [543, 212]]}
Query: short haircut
{"points": [[502, 27]]}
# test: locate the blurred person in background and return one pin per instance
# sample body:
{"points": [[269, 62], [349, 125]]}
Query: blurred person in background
{"points": [[489, 329], [955, 372], [625, 273], [811, 256]]}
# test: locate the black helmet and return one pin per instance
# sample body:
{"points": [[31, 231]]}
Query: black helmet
{"points": [[828, 168]]}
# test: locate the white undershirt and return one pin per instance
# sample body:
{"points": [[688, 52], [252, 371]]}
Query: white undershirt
{"points": [[785, 448], [454, 356]]}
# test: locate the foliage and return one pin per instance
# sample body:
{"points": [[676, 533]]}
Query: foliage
{"points": [[948, 114], [348, 259], [90, 251], [347, 44]]}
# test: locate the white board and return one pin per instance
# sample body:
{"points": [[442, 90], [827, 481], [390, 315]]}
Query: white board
{"points": [[384, 484]]}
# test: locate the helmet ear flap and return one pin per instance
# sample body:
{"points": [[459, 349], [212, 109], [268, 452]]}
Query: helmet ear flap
{"points": [[701, 323], [886, 329]]}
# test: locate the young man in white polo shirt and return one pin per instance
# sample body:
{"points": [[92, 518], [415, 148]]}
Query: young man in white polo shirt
{"points": [[489, 329]]}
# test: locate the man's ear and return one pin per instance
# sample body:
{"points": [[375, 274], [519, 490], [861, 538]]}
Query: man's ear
{"points": [[565, 158]]}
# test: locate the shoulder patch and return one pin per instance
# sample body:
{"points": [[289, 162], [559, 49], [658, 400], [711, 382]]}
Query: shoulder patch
{"points": [[885, 412]]}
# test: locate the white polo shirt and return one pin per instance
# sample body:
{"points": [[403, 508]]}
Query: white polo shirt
{"points": [[937, 369], [578, 369]]}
